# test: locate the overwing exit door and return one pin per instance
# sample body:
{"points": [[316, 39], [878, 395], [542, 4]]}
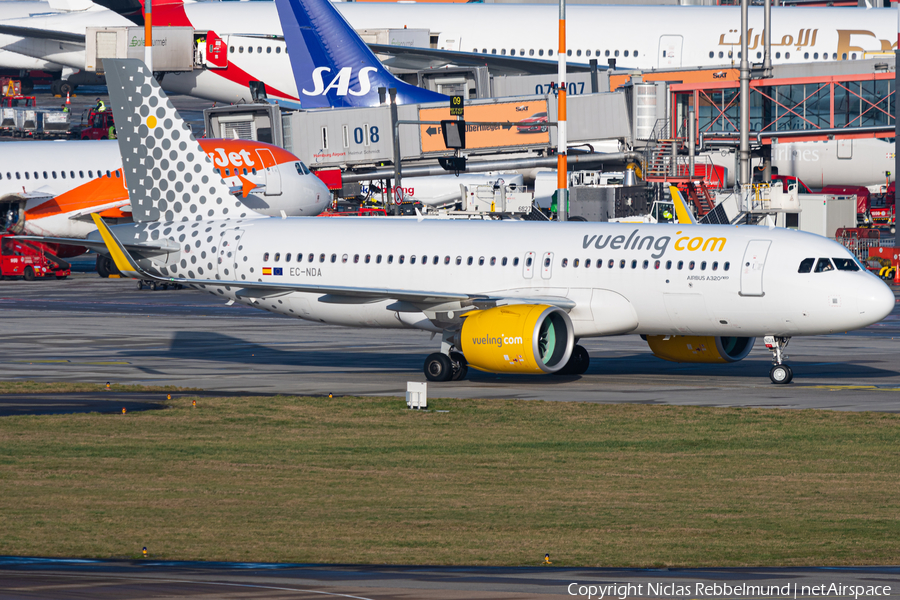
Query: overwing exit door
{"points": [[752, 268], [227, 259]]}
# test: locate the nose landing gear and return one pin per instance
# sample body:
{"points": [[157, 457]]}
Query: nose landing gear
{"points": [[780, 372]]}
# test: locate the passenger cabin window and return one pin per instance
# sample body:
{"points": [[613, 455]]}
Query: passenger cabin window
{"points": [[277, 256], [806, 265], [823, 265], [287, 257], [266, 257], [516, 261]]}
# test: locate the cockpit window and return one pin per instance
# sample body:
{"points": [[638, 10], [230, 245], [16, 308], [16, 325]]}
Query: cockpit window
{"points": [[824, 265], [806, 265], [301, 168], [845, 264]]}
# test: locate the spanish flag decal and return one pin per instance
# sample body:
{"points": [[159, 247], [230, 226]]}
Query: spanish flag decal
{"points": [[267, 270]]}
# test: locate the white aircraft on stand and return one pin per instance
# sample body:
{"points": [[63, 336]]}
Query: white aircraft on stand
{"points": [[506, 297], [250, 41], [51, 188]]}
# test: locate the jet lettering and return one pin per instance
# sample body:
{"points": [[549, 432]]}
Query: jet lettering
{"points": [[340, 82], [237, 159]]}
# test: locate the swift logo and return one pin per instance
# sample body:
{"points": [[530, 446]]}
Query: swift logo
{"points": [[340, 82]]}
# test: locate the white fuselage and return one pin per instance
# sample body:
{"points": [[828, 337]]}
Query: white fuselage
{"points": [[623, 278], [62, 182], [640, 37]]}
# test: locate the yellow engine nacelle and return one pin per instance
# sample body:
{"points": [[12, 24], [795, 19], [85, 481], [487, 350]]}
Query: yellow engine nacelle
{"points": [[520, 338], [700, 349]]}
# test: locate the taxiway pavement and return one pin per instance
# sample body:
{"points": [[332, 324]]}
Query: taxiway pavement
{"points": [[90, 329], [52, 578]]}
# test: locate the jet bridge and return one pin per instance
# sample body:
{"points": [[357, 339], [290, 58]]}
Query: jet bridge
{"points": [[362, 137]]}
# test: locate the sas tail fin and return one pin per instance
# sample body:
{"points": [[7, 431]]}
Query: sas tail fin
{"points": [[169, 176], [683, 212], [332, 65]]}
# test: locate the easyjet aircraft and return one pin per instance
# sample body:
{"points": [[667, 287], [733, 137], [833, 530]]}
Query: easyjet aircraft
{"points": [[51, 188], [506, 297]]}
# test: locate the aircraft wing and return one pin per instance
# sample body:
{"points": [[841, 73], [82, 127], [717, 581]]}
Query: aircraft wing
{"points": [[93, 244], [42, 34], [404, 57]]}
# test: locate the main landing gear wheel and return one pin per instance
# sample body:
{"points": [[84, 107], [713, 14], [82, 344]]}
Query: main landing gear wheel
{"points": [[438, 367], [578, 363], [781, 374], [460, 366]]}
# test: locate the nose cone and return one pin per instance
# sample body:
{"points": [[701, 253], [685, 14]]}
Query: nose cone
{"points": [[875, 300]]}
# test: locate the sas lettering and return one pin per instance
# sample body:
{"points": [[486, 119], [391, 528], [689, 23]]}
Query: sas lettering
{"points": [[340, 82]]}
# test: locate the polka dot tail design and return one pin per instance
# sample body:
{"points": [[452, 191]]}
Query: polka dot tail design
{"points": [[169, 176]]}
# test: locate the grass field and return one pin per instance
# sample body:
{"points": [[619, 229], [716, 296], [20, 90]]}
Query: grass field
{"points": [[489, 482], [29, 387]]}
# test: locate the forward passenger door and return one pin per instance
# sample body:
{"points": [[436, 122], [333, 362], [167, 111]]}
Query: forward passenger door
{"points": [[752, 268]]}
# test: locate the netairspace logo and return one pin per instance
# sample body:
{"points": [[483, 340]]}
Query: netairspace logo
{"points": [[623, 591]]}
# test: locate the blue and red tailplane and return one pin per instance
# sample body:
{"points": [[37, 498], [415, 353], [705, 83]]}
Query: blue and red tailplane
{"points": [[332, 65]]}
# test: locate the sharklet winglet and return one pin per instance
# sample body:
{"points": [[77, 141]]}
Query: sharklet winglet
{"points": [[121, 257]]}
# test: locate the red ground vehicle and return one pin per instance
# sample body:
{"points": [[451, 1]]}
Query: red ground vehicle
{"points": [[863, 199], [25, 259], [95, 126], [883, 209], [10, 101], [351, 209]]}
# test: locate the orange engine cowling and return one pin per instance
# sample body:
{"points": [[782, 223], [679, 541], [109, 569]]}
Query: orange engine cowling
{"points": [[700, 349], [519, 338]]}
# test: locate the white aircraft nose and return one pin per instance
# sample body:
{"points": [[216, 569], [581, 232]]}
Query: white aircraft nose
{"points": [[875, 300]]}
